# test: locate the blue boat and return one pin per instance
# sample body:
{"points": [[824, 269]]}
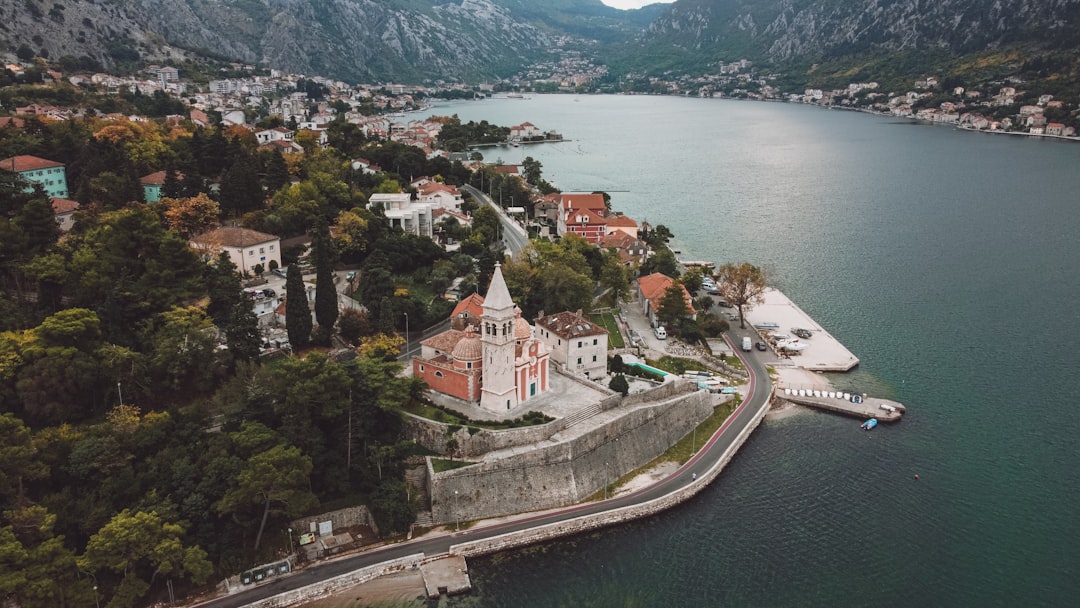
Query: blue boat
{"points": [[869, 424]]}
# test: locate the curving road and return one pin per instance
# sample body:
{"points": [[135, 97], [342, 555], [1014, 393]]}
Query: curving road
{"points": [[515, 237], [757, 398]]}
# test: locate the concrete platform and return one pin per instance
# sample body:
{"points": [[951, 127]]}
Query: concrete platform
{"points": [[870, 407], [449, 575], [824, 353]]}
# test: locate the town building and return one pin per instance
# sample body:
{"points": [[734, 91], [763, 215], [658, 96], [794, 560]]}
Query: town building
{"points": [[489, 355], [51, 175], [64, 212], [401, 211], [575, 342], [152, 185], [651, 291], [246, 248]]}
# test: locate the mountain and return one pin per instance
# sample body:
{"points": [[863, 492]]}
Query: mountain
{"points": [[783, 31], [414, 40]]}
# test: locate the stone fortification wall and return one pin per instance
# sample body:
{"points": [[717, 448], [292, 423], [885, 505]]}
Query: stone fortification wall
{"points": [[559, 473], [342, 518], [433, 435], [591, 522]]}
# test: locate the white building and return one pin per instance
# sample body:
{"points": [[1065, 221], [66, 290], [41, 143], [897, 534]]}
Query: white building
{"points": [[413, 217], [576, 343], [246, 248]]}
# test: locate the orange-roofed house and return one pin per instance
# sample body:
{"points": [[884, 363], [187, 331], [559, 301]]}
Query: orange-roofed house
{"points": [[246, 248], [152, 184], [583, 215], [652, 288], [50, 174], [64, 212], [617, 222]]}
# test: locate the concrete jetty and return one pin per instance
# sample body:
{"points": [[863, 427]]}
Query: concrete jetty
{"points": [[448, 575], [777, 314], [868, 407]]}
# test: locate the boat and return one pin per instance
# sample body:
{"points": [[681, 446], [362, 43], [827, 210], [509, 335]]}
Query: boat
{"points": [[869, 424]]}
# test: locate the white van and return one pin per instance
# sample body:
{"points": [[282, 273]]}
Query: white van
{"points": [[661, 333], [747, 345]]}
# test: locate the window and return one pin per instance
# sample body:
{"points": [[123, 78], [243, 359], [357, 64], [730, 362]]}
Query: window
{"points": [[262, 250], [271, 247], [579, 343], [438, 374], [579, 360], [594, 342], [421, 368], [251, 253], [594, 358]]}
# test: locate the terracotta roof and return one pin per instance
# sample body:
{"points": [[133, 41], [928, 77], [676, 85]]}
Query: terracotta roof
{"points": [[618, 240], [568, 325], [12, 120], [63, 205], [446, 341], [621, 221], [469, 347], [594, 202], [157, 178], [654, 286], [26, 162], [472, 305], [236, 237]]}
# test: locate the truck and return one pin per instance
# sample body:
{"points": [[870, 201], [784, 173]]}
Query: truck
{"points": [[747, 344]]}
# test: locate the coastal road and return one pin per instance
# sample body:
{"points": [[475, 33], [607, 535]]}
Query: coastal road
{"points": [[757, 397], [515, 237]]}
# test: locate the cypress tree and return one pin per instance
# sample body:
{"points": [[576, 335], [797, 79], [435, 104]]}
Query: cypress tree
{"points": [[326, 302], [297, 312], [277, 173]]}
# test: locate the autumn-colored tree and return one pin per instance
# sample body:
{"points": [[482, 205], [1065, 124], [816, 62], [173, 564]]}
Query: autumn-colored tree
{"points": [[191, 216], [742, 286]]}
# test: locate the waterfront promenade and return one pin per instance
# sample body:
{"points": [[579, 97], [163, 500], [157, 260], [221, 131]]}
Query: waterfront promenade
{"points": [[483, 538]]}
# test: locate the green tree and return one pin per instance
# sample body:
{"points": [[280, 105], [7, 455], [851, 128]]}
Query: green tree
{"points": [[241, 190], [673, 310], [326, 296], [392, 507], [18, 461], [277, 480], [619, 384], [277, 172], [614, 278], [742, 285], [36, 569], [662, 261], [182, 343], [297, 313], [138, 546]]}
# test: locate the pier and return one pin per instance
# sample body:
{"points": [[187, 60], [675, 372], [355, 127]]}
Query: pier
{"points": [[868, 407]]}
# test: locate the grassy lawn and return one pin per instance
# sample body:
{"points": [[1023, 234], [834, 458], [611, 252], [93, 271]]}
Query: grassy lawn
{"points": [[442, 464], [677, 365], [607, 319]]}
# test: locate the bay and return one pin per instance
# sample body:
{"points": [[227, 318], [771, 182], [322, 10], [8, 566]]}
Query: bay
{"points": [[945, 260]]}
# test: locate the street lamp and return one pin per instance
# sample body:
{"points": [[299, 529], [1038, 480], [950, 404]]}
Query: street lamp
{"points": [[457, 515], [91, 575], [290, 542], [406, 333]]}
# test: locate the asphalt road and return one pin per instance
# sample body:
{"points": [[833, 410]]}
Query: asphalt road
{"points": [[714, 448], [513, 234]]}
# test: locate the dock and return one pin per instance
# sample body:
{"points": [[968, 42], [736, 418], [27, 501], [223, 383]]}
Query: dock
{"points": [[868, 407], [449, 576], [777, 314]]}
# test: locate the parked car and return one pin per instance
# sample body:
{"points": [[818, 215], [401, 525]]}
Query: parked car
{"points": [[661, 333], [760, 346]]}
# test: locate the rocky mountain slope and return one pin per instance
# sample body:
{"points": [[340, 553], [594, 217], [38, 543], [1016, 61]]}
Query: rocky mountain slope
{"points": [[412, 40], [785, 30]]}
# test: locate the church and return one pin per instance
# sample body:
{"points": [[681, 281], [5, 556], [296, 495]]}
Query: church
{"points": [[489, 355]]}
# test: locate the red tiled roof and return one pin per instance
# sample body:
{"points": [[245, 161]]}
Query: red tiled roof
{"points": [[568, 325], [621, 221], [230, 236], [594, 202], [12, 120], [157, 178], [654, 286], [63, 205], [473, 305], [26, 162]]}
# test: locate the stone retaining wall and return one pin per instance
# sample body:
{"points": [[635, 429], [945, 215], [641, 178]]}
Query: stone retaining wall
{"points": [[591, 522], [555, 474], [338, 583], [342, 518]]}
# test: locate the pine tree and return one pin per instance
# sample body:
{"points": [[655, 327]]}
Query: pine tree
{"points": [[241, 190], [326, 302], [297, 312], [173, 187], [277, 173]]}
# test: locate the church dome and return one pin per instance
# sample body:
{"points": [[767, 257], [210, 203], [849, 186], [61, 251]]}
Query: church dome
{"points": [[469, 347], [522, 329]]}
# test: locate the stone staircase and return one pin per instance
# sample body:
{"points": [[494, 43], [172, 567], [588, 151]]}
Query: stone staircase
{"points": [[582, 415], [417, 478]]}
